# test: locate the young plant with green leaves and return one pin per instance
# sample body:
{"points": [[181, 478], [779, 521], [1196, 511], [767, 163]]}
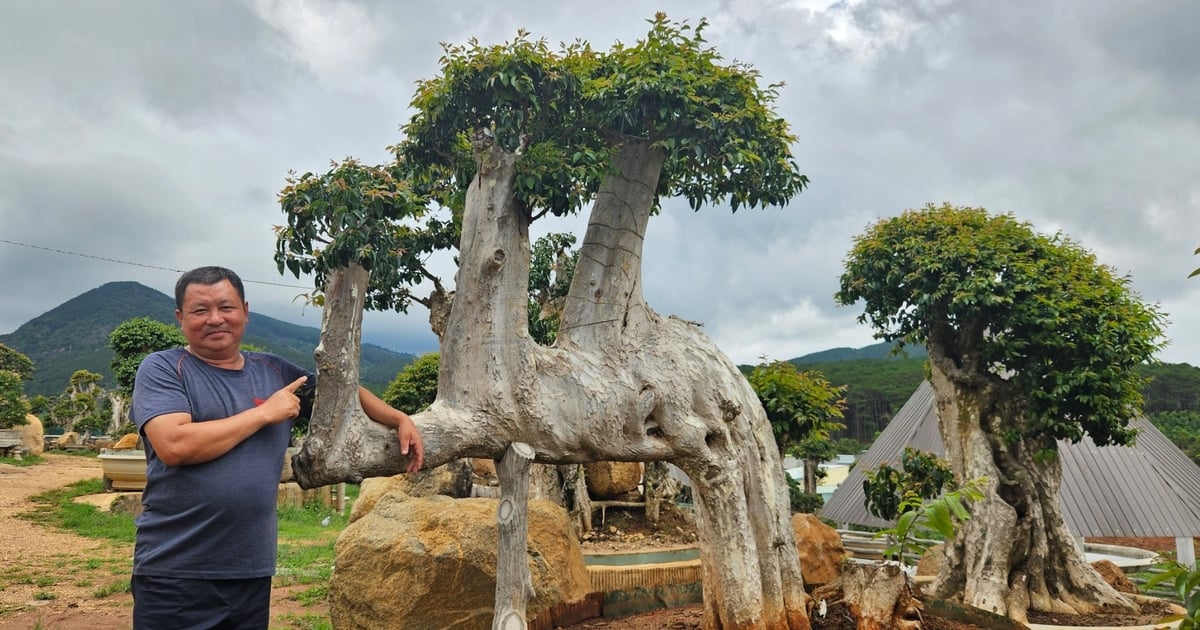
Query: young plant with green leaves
{"points": [[1030, 340], [511, 133], [923, 500], [1185, 581]]}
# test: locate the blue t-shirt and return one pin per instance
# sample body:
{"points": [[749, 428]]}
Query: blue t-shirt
{"points": [[214, 520]]}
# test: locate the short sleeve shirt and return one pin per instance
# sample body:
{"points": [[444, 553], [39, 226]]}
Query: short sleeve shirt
{"points": [[214, 520]]}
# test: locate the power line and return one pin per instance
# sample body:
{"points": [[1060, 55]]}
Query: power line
{"points": [[134, 264]]}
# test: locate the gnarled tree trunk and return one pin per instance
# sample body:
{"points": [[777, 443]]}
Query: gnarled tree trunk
{"points": [[621, 384], [1015, 553]]}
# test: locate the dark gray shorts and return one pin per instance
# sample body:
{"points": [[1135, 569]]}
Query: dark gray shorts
{"points": [[163, 603]]}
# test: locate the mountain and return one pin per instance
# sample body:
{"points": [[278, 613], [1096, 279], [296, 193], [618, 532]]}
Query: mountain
{"points": [[881, 350], [74, 336]]}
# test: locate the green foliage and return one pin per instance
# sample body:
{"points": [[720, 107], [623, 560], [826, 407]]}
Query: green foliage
{"points": [[15, 362], [713, 123], [997, 298], [1182, 428], [1186, 583], [802, 407], [874, 390], [551, 268], [13, 404], [358, 214], [924, 518], [889, 492], [132, 340], [1195, 272], [801, 501], [415, 387]]}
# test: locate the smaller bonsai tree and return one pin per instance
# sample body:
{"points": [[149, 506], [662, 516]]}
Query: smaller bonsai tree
{"points": [[13, 404]]}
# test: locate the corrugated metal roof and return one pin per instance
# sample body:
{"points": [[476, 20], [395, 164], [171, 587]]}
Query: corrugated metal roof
{"points": [[1148, 489]]}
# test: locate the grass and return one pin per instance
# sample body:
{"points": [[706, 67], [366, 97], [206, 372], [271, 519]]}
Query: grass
{"points": [[28, 460], [306, 538]]}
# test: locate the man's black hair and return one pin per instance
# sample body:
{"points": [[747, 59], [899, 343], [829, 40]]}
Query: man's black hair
{"points": [[207, 276]]}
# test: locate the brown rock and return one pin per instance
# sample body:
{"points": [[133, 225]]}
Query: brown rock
{"points": [[932, 560], [820, 548], [70, 437], [430, 563], [483, 468], [1115, 577], [608, 480], [128, 442], [32, 435]]}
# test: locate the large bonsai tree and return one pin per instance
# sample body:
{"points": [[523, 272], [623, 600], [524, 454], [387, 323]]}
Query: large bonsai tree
{"points": [[503, 136], [1030, 341]]}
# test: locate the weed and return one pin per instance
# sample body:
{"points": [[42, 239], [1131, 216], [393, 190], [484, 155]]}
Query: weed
{"points": [[44, 596], [112, 588]]}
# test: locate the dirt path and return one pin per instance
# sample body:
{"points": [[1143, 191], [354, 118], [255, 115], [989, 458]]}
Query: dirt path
{"points": [[50, 578]]}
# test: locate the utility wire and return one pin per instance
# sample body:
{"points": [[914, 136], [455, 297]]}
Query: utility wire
{"points": [[133, 264]]}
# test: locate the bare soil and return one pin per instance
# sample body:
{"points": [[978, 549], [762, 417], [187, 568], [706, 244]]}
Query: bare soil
{"points": [[56, 580]]}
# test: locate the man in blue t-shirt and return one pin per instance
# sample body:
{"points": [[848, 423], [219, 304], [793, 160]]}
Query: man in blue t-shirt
{"points": [[216, 422]]}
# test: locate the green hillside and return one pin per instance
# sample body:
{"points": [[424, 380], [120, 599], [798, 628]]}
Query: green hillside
{"points": [[74, 336]]}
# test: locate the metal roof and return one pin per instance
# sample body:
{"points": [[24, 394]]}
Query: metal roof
{"points": [[1148, 489]]}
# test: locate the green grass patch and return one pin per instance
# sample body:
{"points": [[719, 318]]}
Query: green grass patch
{"points": [[44, 596], [57, 508], [112, 588], [312, 596], [27, 460], [302, 622]]}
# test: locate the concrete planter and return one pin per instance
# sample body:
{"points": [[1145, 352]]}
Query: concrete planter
{"points": [[124, 471]]}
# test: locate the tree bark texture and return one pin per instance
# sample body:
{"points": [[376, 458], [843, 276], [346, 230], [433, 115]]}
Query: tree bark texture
{"points": [[621, 384], [514, 582], [1015, 553]]}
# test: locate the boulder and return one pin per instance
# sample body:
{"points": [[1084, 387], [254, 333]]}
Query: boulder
{"points": [[430, 563], [32, 435], [128, 442], [610, 480], [820, 548], [1115, 577], [70, 437], [932, 560]]}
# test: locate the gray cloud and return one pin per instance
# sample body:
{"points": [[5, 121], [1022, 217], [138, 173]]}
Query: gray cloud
{"points": [[159, 133]]}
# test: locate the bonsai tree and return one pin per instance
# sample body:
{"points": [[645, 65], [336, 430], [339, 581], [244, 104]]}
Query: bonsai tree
{"points": [[503, 136], [131, 341], [1030, 340], [803, 409], [15, 369]]}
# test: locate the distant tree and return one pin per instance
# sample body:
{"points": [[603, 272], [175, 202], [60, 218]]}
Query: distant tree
{"points": [[82, 406], [415, 387], [13, 404], [1030, 340], [551, 267], [803, 409], [15, 362], [132, 340]]}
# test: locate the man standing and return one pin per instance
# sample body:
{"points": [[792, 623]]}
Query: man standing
{"points": [[217, 422]]}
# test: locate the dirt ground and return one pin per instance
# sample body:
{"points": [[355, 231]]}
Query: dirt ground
{"points": [[54, 580]]}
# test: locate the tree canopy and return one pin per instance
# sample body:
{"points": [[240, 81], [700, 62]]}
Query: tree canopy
{"points": [[132, 340], [1007, 303]]}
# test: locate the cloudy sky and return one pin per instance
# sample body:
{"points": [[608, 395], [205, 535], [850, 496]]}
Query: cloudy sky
{"points": [[139, 138]]}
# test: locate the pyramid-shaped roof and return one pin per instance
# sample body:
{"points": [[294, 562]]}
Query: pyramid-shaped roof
{"points": [[1149, 489]]}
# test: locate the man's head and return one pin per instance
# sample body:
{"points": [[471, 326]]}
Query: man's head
{"points": [[212, 311]]}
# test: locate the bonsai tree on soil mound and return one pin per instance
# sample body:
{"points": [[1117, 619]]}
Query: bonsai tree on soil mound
{"points": [[1030, 340]]}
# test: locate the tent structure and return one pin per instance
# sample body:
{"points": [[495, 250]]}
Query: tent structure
{"points": [[1149, 489]]}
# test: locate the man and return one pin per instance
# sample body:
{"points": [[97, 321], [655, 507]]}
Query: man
{"points": [[216, 422]]}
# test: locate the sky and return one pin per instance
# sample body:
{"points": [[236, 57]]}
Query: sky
{"points": [[142, 138]]}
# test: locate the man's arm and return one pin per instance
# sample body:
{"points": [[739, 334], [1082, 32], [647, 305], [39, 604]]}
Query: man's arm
{"points": [[178, 441], [406, 429]]}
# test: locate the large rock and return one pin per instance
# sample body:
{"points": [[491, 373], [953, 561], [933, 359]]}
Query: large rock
{"points": [[128, 442], [609, 480], [430, 563], [32, 435], [820, 548], [932, 560]]}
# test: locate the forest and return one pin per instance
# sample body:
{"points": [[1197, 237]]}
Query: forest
{"points": [[875, 389]]}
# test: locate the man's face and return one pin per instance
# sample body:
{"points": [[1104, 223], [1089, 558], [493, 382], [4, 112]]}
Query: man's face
{"points": [[213, 318]]}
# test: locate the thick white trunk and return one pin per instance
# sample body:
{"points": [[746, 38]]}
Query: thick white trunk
{"points": [[1016, 553], [622, 384]]}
